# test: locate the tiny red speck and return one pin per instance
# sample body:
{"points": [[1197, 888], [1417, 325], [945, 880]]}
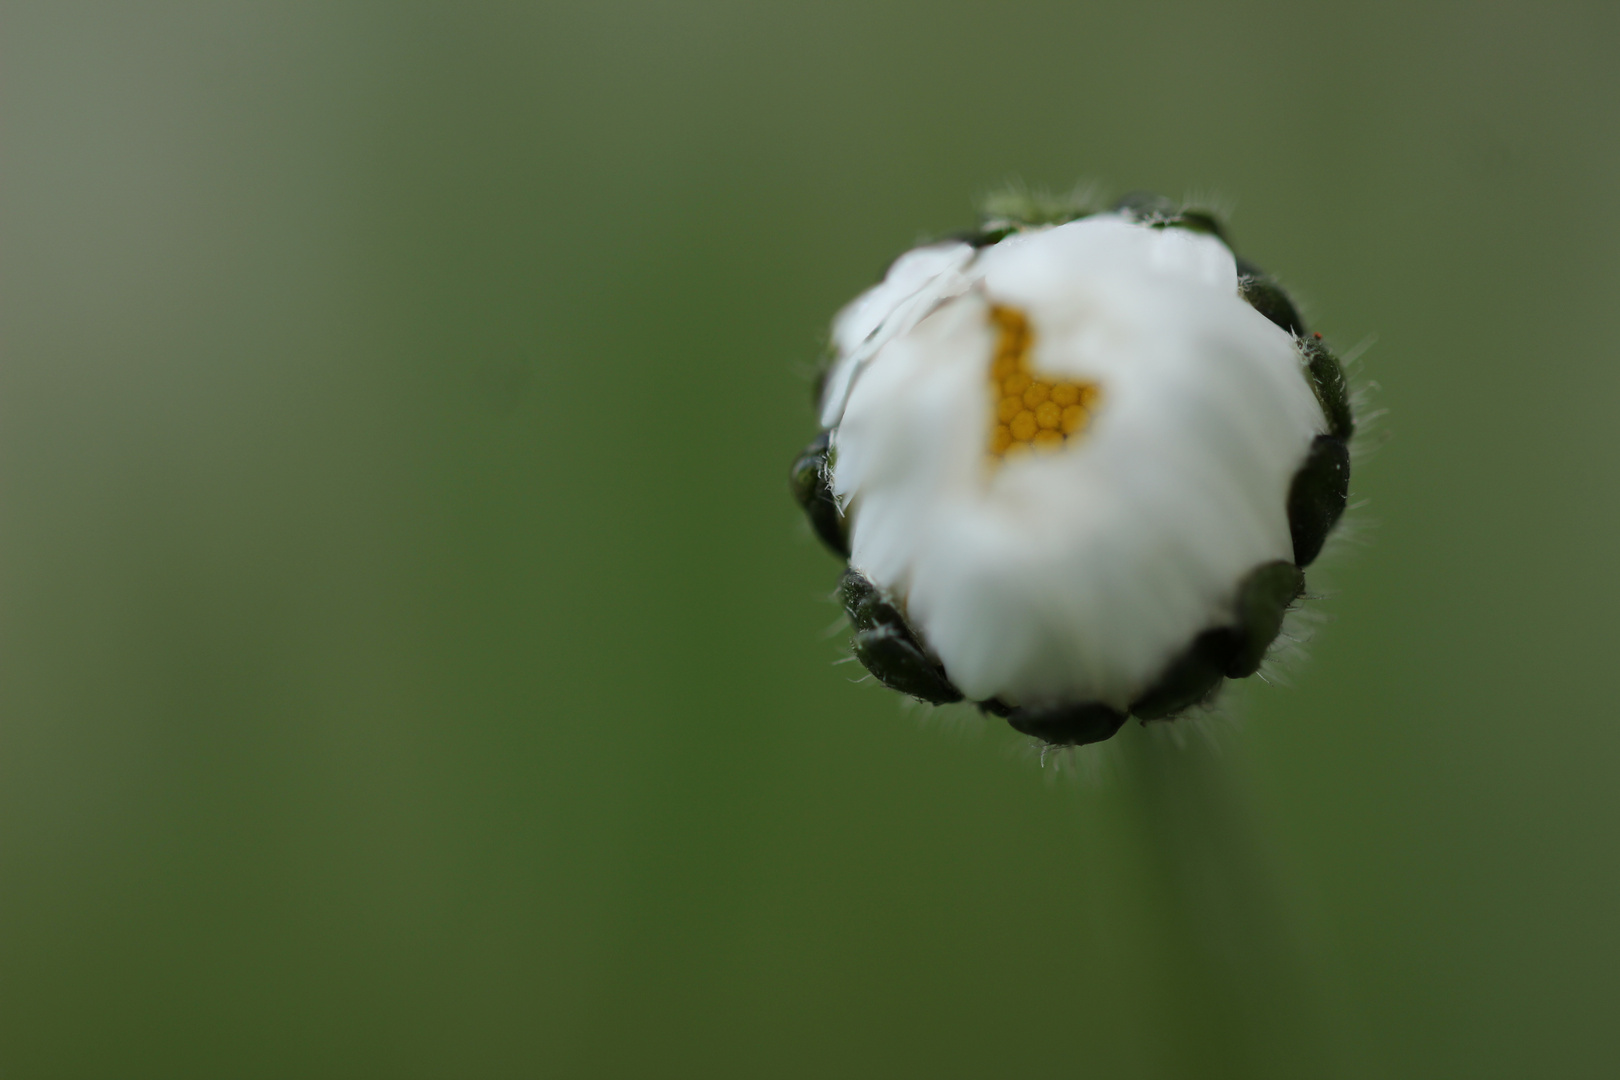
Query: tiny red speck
{"points": [[1318, 337]]}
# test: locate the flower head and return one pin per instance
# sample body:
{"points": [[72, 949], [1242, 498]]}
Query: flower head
{"points": [[1076, 470]]}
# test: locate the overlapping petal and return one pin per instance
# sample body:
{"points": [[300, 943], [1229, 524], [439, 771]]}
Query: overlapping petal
{"points": [[1075, 574]]}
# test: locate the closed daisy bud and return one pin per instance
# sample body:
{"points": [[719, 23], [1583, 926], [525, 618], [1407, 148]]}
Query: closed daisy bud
{"points": [[1076, 467]]}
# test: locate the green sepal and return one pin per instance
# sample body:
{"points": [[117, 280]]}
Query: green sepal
{"points": [[1150, 208], [1268, 298], [886, 647], [1192, 677], [1198, 221], [1316, 497], [808, 479], [1016, 207], [1146, 206], [1263, 599], [987, 236], [1327, 380], [1068, 725]]}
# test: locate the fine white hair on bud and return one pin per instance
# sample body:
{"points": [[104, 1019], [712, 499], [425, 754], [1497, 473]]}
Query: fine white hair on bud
{"points": [[1076, 467]]}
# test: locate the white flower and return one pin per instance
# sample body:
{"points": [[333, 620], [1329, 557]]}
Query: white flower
{"points": [[1060, 456]]}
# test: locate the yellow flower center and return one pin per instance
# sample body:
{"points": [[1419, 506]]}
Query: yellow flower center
{"points": [[1031, 413]]}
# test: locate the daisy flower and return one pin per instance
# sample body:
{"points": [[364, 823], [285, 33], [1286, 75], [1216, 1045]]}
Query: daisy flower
{"points": [[1077, 465]]}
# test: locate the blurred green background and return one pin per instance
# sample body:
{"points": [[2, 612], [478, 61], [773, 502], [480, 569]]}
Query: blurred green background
{"points": [[411, 663]]}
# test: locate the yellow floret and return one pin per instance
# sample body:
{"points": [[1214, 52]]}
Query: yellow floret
{"points": [[1030, 412]]}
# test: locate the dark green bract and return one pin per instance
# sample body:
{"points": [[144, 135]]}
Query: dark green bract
{"points": [[888, 648], [898, 657], [810, 487]]}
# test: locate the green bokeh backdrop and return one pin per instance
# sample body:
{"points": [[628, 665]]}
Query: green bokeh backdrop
{"points": [[411, 663]]}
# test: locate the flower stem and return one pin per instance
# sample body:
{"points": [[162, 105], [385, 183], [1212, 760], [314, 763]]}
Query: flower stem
{"points": [[1251, 994]]}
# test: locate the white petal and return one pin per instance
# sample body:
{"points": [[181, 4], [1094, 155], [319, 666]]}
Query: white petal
{"points": [[1078, 574], [917, 282]]}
